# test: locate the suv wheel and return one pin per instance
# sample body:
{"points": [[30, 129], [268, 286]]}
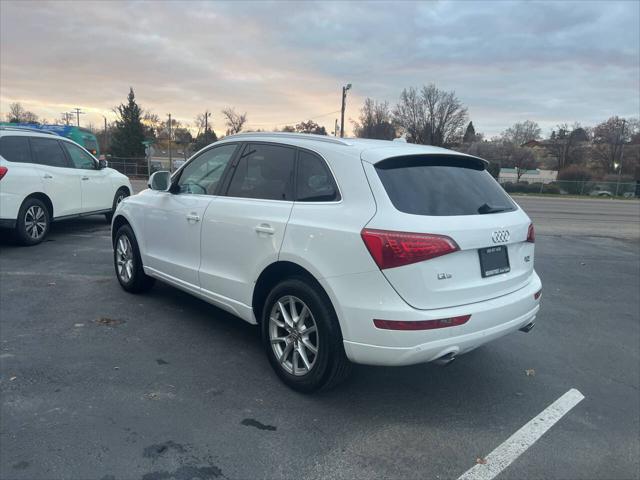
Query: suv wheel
{"points": [[302, 337], [120, 195], [127, 262], [33, 222]]}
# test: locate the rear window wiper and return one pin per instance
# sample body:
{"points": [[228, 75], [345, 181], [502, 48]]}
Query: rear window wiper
{"points": [[486, 208]]}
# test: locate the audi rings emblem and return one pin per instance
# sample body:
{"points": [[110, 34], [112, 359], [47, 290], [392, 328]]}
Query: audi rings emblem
{"points": [[500, 236]]}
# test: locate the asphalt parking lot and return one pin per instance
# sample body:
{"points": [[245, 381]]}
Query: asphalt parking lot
{"points": [[98, 384]]}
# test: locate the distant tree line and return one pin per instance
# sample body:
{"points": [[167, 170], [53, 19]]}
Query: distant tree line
{"points": [[426, 115]]}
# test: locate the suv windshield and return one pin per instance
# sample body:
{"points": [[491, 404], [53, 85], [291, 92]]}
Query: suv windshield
{"points": [[442, 186]]}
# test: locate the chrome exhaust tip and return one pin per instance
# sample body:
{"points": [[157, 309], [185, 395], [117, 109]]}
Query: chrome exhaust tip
{"points": [[445, 359], [528, 327]]}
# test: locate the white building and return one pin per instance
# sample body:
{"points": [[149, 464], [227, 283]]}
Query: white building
{"points": [[531, 176]]}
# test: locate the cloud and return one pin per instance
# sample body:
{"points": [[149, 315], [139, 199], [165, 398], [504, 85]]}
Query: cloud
{"points": [[283, 62]]}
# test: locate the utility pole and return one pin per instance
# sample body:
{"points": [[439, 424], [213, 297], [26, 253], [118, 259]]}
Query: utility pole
{"points": [[170, 159], [78, 113], [344, 101], [207, 114]]}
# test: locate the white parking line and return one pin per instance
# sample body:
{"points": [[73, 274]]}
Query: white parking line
{"points": [[520, 441]]}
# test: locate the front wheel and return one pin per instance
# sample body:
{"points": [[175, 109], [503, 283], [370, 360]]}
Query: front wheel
{"points": [[120, 195], [33, 222], [302, 337], [127, 262]]}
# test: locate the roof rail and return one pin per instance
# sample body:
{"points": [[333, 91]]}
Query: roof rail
{"points": [[28, 129], [296, 136]]}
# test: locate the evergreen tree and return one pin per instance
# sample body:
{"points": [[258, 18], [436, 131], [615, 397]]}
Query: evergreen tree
{"points": [[470, 134], [129, 132], [205, 138]]}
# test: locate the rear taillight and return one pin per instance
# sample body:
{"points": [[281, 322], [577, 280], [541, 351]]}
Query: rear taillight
{"points": [[394, 249], [421, 324], [531, 234], [3, 172]]}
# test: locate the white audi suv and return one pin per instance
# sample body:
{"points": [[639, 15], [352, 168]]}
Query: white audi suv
{"points": [[342, 250], [45, 177]]}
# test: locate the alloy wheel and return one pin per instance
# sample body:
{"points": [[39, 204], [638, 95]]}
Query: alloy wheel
{"points": [[35, 221], [124, 258], [293, 335]]}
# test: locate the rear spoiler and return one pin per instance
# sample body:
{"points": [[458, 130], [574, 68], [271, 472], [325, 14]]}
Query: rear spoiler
{"points": [[435, 159], [408, 150]]}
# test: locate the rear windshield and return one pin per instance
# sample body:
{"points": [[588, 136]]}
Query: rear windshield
{"points": [[442, 186]]}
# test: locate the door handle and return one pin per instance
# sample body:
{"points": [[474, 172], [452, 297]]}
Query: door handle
{"points": [[46, 175], [265, 228], [192, 217], [85, 178]]}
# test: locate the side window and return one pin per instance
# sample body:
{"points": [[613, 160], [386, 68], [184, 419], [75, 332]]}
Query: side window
{"points": [[47, 151], [79, 157], [264, 171], [15, 149], [315, 182], [202, 175]]}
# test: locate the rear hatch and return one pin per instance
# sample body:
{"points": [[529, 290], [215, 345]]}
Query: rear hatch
{"points": [[470, 241]]}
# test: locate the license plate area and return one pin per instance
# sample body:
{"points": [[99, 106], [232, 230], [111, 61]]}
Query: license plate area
{"points": [[494, 261]]}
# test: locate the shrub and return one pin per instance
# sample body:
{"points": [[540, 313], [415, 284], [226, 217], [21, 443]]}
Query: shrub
{"points": [[575, 173]]}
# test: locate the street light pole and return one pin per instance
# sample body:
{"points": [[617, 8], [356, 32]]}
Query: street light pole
{"points": [[170, 159], [344, 101], [106, 136], [621, 155]]}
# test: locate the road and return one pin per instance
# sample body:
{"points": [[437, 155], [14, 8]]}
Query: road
{"points": [[588, 216], [99, 384]]}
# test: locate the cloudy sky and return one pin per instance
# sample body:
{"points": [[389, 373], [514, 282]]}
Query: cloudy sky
{"points": [[285, 62]]}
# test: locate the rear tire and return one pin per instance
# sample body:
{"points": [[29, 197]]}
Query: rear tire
{"points": [[286, 343], [120, 195], [34, 220], [127, 262]]}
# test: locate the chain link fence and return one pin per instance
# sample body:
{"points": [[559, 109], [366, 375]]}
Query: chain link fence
{"points": [[591, 188], [142, 167]]}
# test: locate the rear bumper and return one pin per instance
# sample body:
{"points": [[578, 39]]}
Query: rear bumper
{"points": [[366, 344]]}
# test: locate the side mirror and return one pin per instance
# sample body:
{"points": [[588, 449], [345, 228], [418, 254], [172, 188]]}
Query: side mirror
{"points": [[102, 164], [160, 180]]}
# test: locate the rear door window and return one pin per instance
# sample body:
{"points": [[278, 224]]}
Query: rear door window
{"points": [[442, 186], [314, 182], [265, 172], [47, 151], [15, 149]]}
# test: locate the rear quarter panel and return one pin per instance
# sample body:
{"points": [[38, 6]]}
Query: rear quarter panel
{"points": [[21, 180]]}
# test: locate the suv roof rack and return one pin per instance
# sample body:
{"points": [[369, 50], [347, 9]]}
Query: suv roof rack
{"points": [[27, 129], [297, 136]]}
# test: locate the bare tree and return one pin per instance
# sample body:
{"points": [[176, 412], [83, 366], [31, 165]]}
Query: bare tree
{"points": [[609, 138], [431, 116], [519, 158], [522, 132], [568, 144], [233, 120], [310, 127], [375, 121], [17, 114]]}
